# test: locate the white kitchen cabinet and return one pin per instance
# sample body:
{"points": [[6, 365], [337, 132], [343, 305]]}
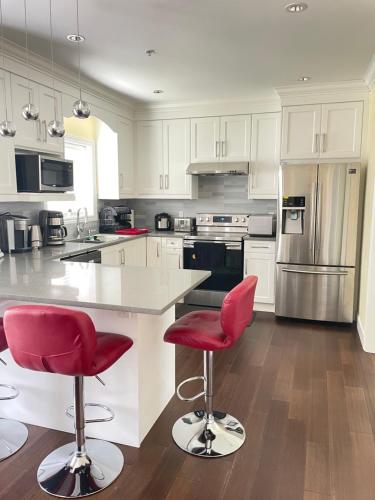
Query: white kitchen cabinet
{"points": [[154, 251], [172, 253], [341, 130], [300, 132], [150, 168], [259, 260], [8, 182], [34, 134], [225, 138], [265, 156], [205, 139], [315, 131], [126, 158], [131, 253]]}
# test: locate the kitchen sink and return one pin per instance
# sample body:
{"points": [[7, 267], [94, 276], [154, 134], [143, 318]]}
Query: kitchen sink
{"points": [[97, 238]]}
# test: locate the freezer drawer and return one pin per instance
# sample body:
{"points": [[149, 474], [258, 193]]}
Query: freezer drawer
{"points": [[315, 292]]}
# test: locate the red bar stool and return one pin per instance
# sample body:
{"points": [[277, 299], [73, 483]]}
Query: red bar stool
{"points": [[13, 434], [58, 340], [209, 433]]}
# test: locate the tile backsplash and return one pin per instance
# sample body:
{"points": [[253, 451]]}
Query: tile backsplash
{"points": [[224, 194]]}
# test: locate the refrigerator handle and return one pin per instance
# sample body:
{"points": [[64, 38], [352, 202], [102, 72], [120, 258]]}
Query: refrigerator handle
{"points": [[312, 220], [318, 221], [324, 273]]}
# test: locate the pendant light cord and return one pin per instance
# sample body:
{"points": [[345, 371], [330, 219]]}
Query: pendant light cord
{"points": [[79, 54], [52, 58], [3, 54], [27, 51]]}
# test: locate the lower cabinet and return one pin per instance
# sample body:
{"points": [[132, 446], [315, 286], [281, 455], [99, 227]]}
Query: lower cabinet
{"points": [[164, 252], [259, 260], [130, 253]]}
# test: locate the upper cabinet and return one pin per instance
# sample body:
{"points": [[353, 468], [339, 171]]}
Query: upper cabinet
{"points": [[163, 155], [316, 131], [34, 134], [115, 162], [225, 138], [265, 156]]}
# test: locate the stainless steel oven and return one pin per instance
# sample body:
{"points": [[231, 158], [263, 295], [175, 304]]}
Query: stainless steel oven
{"points": [[38, 173], [218, 247]]}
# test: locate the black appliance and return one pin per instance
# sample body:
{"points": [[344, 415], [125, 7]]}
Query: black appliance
{"points": [[217, 247], [15, 233], [163, 222], [94, 256], [111, 219], [52, 226], [38, 173]]}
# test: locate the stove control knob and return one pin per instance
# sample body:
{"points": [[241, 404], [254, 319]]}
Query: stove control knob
{"points": [[208, 219], [201, 219], [243, 219], [236, 219]]}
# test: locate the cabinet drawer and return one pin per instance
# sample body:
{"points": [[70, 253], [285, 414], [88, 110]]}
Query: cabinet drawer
{"points": [[260, 246], [172, 242]]}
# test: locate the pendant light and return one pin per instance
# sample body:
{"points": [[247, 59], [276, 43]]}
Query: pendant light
{"points": [[7, 127], [29, 110], [55, 126], [81, 109]]}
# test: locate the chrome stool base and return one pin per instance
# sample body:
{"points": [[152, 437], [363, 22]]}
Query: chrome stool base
{"points": [[13, 436], [209, 438], [67, 473]]}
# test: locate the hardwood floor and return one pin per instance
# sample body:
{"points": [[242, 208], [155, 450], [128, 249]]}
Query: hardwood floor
{"points": [[306, 395]]}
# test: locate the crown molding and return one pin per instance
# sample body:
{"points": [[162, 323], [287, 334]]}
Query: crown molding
{"points": [[15, 58], [370, 73], [197, 109], [326, 92]]}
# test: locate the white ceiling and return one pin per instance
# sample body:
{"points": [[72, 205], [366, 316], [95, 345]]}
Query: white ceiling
{"points": [[207, 49]]}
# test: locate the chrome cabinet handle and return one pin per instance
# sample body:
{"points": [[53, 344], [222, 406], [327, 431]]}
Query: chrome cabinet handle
{"points": [[179, 262], [260, 247], [166, 182], [316, 146], [45, 130], [323, 142], [223, 149], [161, 181], [157, 250], [39, 130], [217, 149], [324, 273], [253, 176]]}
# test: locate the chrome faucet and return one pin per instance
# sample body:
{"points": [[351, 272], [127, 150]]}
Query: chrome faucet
{"points": [[81, 225]]}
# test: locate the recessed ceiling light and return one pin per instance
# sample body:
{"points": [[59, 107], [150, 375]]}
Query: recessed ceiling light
{"points": [[296, 8], [158, 91], [150, 52], [304, 78], [75, 38]]}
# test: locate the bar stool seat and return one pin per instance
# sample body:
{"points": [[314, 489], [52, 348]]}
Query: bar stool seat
{"points": [[64, 341], [210, 433], [13, 434]]}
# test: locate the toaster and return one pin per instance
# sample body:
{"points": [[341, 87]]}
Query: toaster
{"points": [[262, 225], [185, 224]]}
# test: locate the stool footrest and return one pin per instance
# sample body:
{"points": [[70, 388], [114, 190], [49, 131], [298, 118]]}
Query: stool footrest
{"points": [[13, 395], [93, 420], [192, 398]]}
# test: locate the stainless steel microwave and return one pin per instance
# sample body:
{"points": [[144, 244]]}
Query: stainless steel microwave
{"points": [[38, 173]]}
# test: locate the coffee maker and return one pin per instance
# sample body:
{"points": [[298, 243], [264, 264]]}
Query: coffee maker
{"points": [[14, 233], [52, 225]]}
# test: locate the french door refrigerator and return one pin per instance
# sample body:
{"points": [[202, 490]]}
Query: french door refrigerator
{"points": [[317, 241]]}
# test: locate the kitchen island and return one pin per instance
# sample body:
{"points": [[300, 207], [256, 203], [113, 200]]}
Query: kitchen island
{"points": [[135, 301]]}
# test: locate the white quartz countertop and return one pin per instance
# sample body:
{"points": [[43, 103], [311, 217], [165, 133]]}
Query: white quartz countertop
{"points": [[32, 278]]}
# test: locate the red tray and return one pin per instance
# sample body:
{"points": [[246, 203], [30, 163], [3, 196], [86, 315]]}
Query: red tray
{"points": [[133, 231]]}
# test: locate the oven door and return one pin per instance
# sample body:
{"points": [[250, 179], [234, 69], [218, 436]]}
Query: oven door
{"points": [[55, 174], [224, 276]]}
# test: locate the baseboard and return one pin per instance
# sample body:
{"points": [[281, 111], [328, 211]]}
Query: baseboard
{"points": [[258, 306], [361, 332]]}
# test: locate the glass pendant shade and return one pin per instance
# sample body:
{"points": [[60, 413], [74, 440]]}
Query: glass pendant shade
{"points": [[56, 128], [7, 128], [81, 109], [30, 112]]}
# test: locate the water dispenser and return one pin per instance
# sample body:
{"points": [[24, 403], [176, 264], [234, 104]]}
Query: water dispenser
{"points": [[293, 215]]}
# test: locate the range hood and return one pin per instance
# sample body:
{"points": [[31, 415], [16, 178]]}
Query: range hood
{"points": [[219, 168]]}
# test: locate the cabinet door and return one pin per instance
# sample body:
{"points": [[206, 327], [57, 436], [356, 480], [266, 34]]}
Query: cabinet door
{"points": [[300, 132], [48, 99], [154, 252], [235, 138], [265, 156], [176, 155], [134, 253], [28, 134], [172, 259], [341, 130], [125, 158], [150, 175], [112, 256], [263, 266], [8, 182], [205, 140]]}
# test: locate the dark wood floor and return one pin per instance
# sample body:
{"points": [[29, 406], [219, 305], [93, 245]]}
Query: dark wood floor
{"points": [[306, 395]]}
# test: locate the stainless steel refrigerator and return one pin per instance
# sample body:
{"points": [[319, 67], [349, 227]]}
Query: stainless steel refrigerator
{"points": [[317, 254]]}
